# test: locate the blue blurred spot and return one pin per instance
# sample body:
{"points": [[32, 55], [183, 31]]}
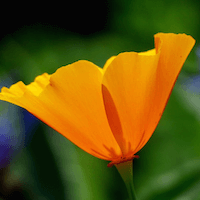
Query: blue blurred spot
{"points": [[30, 123], [17, 127], [192, 84]]}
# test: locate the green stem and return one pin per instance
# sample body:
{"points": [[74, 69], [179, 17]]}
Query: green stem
{"points": [[126, 171]]}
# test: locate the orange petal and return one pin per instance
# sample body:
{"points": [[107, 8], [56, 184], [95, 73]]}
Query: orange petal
{"points": [[174, 49], [127, 79], [108, 63], [140, 84], [70, 101]]}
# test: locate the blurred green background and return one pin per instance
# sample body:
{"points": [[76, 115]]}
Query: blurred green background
{"points": [[40, 38]]}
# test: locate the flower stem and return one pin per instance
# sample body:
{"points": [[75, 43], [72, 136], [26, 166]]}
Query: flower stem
{"points": [[126, 171]]}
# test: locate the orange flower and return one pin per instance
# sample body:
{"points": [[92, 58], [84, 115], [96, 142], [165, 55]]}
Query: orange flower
{"points": [[112, 112]]}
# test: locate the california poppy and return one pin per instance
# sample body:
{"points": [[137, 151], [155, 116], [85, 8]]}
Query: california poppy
{"points": [[112, 112]]}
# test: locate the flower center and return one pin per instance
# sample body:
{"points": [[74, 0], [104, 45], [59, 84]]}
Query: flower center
{"points": [[121, 160]]}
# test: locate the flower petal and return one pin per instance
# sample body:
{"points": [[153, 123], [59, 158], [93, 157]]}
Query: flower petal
{"points": [[70, 101], [127, 79], [140, 84], [174, 49], [108, 63]]}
